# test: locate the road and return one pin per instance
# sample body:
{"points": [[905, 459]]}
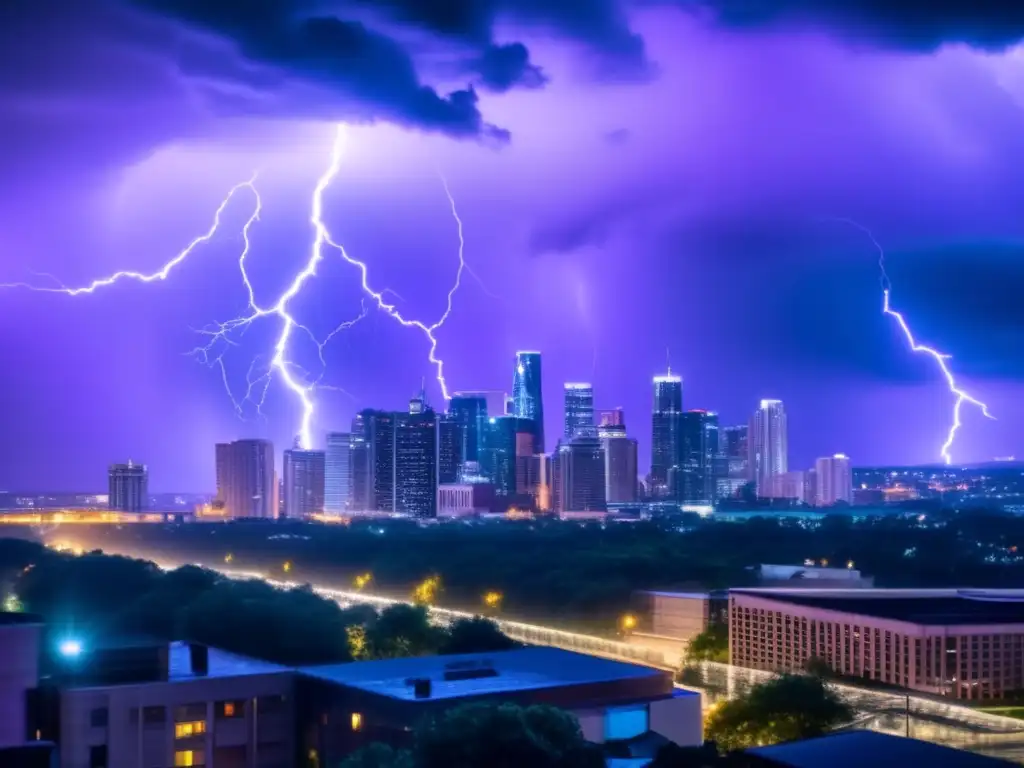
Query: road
{"points": [[931, 720]]}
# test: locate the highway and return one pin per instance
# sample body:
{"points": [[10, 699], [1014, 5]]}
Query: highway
{"points": [[933, 720]]}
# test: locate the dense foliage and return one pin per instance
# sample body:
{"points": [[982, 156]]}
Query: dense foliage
{"points": [[490, 736], [102, 595], [710, 645], [785, 708], [582, 575]]}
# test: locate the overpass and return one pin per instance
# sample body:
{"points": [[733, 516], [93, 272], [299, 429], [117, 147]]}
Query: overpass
{"points": [[931, 719]]}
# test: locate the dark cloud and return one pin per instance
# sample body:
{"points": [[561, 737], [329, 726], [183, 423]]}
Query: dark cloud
{"points": [[503, 67], [905, 24]]}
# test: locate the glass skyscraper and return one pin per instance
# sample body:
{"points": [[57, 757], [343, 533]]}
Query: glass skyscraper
{"points": [[469, 410], [246, 481], [128, 487], [666, 428], [303, 483], [527, 398], [768, 444], [338, 472], [579, 410], [697, 478], [416, 460]]}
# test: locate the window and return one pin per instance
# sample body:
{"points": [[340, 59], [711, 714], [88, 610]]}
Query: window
{"points": [[229, 709], [98, 756], [98, 717], [154, 715], [357, 721], [626, 722], [266, 705], [188, 713], [185, 730], [184, 758]]}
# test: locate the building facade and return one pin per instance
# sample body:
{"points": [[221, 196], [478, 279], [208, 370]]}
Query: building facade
{"points": [[128, 487], [768, 445], [416, 461], [338, 472], [700, 460], [469, 411], [579, 410], [579, 476], [965, 644], [303, 483], [246, 480], [527, 394], [450, 445], [379, 429], [620, 464], [833, 481]]}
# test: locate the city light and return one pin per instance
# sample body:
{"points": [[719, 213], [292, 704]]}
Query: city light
{"points": [[628, 622], [362, 580], [228, 557], [70, 648], [426, 591], [287, 566], [493, 599]]}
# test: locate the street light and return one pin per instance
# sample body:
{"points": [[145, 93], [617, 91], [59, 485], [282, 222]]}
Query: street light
{"points": [[287, 567], [628, 622], [492, 599], [70, 648], [228, 557], [363, 579]]}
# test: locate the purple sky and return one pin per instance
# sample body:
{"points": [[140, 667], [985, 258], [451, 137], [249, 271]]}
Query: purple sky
{"points": [[632, 176]]}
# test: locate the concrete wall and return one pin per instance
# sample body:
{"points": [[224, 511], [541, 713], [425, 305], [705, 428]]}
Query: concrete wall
{"points": [[19, 672]]}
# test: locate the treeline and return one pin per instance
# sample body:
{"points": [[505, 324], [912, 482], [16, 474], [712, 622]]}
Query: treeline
{"points": [[582, 575], [102, 595]]}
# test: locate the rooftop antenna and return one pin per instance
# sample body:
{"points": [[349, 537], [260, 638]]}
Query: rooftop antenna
{"points": [[668, 360]]}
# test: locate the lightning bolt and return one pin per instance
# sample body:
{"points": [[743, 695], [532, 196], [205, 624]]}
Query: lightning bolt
{"points": [[162, 273], [390, 309], [941, 358]]}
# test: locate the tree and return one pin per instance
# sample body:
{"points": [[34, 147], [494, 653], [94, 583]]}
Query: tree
{"points": [[710, 645], [476, 635], [402, 630], [818, 667], [690, 675], [504, 736], [378, 755], [785, 708]]}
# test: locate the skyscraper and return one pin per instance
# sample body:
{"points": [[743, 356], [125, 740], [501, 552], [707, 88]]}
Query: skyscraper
{"points": [[833, 481], [527, 397], [303, 483], [416, 460], [449, 448], [379, 434], [620, 462], [579, 410], [246, 481], [697, 476], [614, 417], [768, 445], [510, 440], [578, 476], [338, 472], [735, 459], [666, 429], [128, 487], [469, 410]]}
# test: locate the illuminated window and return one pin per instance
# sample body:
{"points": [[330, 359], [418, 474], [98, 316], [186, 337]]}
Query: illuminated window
{"points": [[229, 709], [357, 721], [184, 758], [184, 730]]}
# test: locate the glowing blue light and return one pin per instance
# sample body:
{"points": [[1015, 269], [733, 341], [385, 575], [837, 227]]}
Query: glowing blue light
{"points": [[70, 648]]}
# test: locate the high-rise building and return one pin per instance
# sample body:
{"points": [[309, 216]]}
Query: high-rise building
{"points": [[666, 429], [527, 397], [303, 483], [697, 475], [578, 481], [379, 434], [469, 410], [614, 417], [833, 481], [510, 442], [361, 490], [246, 482], [416, 460], [579, 410], [620, 462], [768, 445], [338, 472], [449, 449], [735, 472], [128, 487]]}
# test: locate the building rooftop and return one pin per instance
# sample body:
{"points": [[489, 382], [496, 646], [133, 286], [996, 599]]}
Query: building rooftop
{"points": [[8, 618], [222, 664], [854, 749], [941, 608], [519, 670]]}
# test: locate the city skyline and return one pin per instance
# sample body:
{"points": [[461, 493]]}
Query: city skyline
{"points": [[602, 223]]}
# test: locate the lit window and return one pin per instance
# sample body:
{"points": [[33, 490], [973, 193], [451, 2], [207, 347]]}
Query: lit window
{"points": [[184, 730], [184, 758], [229, 709], [357, 721]]}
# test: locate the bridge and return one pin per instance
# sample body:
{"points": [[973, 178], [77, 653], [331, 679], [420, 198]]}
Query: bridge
{"points": [[928, 718]]}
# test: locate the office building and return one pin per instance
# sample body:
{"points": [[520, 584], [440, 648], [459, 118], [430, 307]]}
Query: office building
{"points": [[579, 480], [579, 410], [613, 417], [338, 472], [362, 478], [464, 499], [303, 483], [697, 480], [680, 615], [128, 487], [416, 460], [379, 434], [833, 481], [527, 394], [961, 643], [469, 411], [635, 706], [768, 445], [620, 462], [510, 444], [735, 457], [812, 576], [666, 430], [247, 484], [449, 449]]}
